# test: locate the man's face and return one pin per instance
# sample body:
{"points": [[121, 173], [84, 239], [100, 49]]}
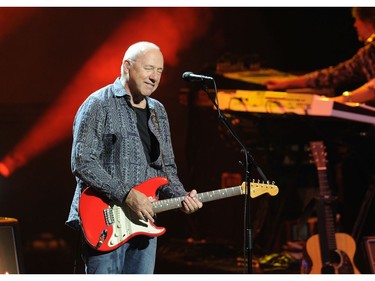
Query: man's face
{"points": [[145, 72], [364, 29]]}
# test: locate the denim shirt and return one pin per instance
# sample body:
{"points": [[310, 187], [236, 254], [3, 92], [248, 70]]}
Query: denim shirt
{"points": [[107, 152]]}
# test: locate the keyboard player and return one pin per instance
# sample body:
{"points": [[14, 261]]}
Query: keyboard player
{"points": [[359, 70], [356, 171]]}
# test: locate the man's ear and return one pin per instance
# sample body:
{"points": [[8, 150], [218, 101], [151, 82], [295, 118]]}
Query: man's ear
{"points": [[126, 66]]}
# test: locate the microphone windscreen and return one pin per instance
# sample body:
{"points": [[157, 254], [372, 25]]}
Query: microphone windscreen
{"points": [[186, 75]]}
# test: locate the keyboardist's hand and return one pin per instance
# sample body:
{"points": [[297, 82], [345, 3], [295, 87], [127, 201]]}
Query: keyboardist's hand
{"points": [[277, 84], [342, 99], [286, 83], [362, 94]]}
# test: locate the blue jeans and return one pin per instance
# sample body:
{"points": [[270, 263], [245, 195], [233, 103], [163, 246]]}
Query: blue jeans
{"points": [[137, 256]]}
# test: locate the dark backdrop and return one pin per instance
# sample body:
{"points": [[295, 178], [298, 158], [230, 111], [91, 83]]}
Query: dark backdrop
{"points": [[41, 57]]}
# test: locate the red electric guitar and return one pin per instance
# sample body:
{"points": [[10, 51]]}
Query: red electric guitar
{"points": [[106, 226], [330, 252]]}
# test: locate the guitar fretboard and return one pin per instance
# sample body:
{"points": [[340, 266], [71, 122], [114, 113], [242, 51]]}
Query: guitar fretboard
{"points": [[176, 202], [328, 219]]}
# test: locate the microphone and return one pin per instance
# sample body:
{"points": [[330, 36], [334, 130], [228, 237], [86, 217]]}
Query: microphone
{"points": [[191, 77]]}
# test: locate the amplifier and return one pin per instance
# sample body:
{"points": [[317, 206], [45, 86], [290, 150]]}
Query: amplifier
{"points": [[369, 247]]}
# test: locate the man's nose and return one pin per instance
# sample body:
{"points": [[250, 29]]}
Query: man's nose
{"points": [[154, 76]]}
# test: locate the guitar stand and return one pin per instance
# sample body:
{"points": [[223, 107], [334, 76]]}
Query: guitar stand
{"points": [[249, 165], [311, 206]]}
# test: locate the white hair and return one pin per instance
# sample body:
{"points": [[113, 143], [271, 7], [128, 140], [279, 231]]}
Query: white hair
{"points": [[135, 50]]}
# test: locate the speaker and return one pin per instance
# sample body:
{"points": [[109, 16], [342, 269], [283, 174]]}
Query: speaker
{"points": [[369, 248], [10, 247]]}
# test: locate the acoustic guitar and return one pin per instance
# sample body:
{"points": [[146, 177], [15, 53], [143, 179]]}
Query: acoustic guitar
{"points": [[330, 252]]}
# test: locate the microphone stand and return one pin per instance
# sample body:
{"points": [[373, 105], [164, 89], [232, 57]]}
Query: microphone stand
{"points": [[250, 163]]}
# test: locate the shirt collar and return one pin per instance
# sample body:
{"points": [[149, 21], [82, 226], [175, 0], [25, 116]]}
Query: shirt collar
{"points": [[120, 92], [119, 88]]}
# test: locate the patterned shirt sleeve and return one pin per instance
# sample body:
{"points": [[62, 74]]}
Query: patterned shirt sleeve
{"points": [[87, 149], [359, 69]]}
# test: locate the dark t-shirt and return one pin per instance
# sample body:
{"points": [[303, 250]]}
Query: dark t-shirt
{"points": [[150, 144]]}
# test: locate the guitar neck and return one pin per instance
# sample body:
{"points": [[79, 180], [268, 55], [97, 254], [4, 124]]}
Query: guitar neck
{"points": [[324, 188], [327, 214], [176, 202], [326, 222]]}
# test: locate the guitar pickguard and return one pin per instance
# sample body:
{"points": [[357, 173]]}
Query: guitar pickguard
{"points": [[127, 224]]}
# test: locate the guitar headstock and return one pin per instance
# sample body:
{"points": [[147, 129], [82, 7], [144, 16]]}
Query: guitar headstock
{"points": [[318, 154], [259, 188]]}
